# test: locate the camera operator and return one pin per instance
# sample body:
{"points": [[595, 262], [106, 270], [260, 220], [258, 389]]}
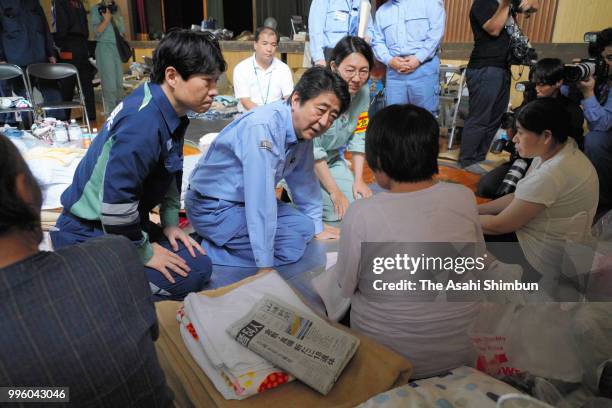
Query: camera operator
{"points": [[108, 61], [488, 77], [597, 104], [546, 81]]}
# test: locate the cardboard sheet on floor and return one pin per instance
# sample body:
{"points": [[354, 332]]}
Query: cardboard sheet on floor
{"points": [[373, 370]]}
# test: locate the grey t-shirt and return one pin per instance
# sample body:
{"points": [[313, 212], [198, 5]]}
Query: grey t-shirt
{"points": [[433, 336]]}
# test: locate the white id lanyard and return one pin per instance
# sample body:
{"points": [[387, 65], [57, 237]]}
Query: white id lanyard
{"points": [[264, 100]]}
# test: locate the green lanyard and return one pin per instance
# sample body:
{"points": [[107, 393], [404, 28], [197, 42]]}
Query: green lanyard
{"points": [[265, 101]]}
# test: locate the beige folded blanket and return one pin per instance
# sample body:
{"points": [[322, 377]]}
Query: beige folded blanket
{"points": [[373, 369]]}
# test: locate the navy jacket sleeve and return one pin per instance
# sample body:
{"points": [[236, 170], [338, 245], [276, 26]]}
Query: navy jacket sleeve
{"points": [[135, 151]]}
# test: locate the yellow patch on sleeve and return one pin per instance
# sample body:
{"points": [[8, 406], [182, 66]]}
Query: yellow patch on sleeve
{"points": [[362, 122]]}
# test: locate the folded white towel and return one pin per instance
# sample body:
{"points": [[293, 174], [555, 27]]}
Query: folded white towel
{"points": [[212, 316]]}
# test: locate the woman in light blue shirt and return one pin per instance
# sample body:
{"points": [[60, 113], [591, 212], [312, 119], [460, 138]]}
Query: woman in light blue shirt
{"points": [[102, 17], [352, 59]]}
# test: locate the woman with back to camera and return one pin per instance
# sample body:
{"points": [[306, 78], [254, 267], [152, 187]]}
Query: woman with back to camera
{"points": [[353, 60], [402, 151]]}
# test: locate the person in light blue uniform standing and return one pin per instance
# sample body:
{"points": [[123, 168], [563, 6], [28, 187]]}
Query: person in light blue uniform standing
{"points": [[328, 22], [407, 36], [231, 200]]}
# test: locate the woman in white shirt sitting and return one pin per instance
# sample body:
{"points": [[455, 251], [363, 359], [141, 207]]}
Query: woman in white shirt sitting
{"points": [[402, 151], [556, 199]]}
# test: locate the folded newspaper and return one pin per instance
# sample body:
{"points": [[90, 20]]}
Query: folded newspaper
{"points": [[304, 345]]}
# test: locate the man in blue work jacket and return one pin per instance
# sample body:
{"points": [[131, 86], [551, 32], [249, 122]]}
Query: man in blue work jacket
{"points": [[136, 163], [231, 200], [328, 22], [407, 36]]}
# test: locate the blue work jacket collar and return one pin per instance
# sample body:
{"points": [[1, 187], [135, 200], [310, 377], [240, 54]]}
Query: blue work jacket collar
{"points": [[291, 136], [170, 116]]}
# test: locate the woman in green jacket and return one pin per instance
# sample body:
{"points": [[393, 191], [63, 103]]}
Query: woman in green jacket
{"points": [[353, 60]]}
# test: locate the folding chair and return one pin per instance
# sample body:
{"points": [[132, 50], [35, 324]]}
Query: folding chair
{"points": [[56, 72], [10, 71], [452, 97]]}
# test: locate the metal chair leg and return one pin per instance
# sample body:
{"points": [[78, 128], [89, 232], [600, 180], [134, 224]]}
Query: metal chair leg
{"points": [[83, 105], [456, 112]]}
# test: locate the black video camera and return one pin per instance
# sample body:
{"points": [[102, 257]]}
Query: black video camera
{"points": [[594, 66], [515, 7], [505, 143], [521, 51], [112, 7], [528, 89]]}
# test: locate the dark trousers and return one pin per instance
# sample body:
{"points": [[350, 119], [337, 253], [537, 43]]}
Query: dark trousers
{"points": [[86, 75], [72, 230], [489, 89], [506, 248], [489, 183]]}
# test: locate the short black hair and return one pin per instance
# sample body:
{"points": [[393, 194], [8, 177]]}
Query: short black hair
{"points": [[604, 39], [189, 52], [547, 71], [545, 114], [263, 29], [402, 141], [317, 80], [349, 45], [15, 214]]}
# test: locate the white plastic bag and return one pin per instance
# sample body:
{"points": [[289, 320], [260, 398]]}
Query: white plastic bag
{"points": [[527, 338]]}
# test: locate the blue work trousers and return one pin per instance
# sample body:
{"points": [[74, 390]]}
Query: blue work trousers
{"points": [[223, 227], [420, 88]]}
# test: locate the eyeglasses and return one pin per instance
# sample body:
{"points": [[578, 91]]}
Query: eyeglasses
{"points": [[350, 73], [608, 57]]}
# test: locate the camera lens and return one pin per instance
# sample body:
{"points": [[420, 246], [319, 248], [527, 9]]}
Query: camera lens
{"points": [[578, 72], [516, 172]]}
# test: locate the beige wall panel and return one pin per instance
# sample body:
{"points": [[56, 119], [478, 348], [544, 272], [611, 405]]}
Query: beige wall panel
{"points": [[575, 17], [458, 21], [140, 53], [295, 60], [539, 27], [233, 58]]}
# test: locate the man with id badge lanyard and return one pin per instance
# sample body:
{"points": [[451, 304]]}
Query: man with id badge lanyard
{"points": [[331, 20], [262, 78]]}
